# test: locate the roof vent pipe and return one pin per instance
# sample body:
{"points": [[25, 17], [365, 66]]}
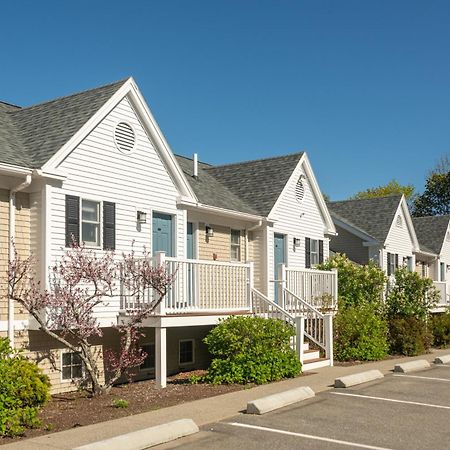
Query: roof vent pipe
{"points": [[195, 158]]}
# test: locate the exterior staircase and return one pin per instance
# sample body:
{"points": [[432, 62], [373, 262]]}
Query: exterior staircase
{"points": [[313, 328]]}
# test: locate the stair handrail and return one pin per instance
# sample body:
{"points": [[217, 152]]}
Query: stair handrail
{"points": [[274, 305], [304, 302]]}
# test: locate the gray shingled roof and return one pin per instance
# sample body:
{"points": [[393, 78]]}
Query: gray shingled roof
{"points": [[209, 190], [373, 216], [431, 231], [258, 183], [31, 136]]}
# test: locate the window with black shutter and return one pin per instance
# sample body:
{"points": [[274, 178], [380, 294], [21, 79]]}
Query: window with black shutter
{"points": [[320, 252], [109, 226], [72, 220], [307, 253]]}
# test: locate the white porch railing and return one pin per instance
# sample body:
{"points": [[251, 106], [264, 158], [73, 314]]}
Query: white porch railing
{"points": [[318, 288], [444, 292], [198, 286], [207, 286]]}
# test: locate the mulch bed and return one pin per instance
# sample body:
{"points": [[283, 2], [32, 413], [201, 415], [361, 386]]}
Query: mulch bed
{"points": [[76, 409]]}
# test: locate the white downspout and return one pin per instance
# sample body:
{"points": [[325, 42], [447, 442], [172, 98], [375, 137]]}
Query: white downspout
{"points": [[11, 236]]}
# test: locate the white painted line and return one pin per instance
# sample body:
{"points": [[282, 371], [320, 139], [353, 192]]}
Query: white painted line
{"points": [[431, 405], [423, 378], [307, 436]]}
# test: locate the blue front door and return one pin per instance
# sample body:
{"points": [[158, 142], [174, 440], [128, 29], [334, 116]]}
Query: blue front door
{"points": [[279, 257], [190, 241], [162, 234]]}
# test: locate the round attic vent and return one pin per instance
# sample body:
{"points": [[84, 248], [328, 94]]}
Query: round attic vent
{"points": [[299, 190], [448, 236], [124, 137], [399, 221]]}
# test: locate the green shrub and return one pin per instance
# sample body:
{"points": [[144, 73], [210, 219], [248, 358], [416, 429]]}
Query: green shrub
{"points": [[410, 295], [440, 327], [408, 336], [120, 403], [23, 389], [357, 285], [360, 334], [251, 350]]}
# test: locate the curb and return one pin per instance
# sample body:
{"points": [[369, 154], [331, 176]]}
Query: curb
{"points": [[412, 366], [148, 437], [275, 401], [357, 378], [444, 359]]}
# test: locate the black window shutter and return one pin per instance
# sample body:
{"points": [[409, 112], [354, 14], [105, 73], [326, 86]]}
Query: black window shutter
{"points": [[320, 252], [396, 261], [72, 220], [389, 271], [109, 226], [307, 253]]}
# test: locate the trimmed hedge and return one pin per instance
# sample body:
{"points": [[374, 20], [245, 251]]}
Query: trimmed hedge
{"points": [[440, 327], [409, 336], [251, 350]]}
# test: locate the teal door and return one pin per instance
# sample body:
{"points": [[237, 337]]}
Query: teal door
{"points": [[190, 241], [190, 269], [279, 257], [162, 234]]}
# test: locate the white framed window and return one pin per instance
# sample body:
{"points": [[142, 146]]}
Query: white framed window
{"points": [[392, 263], [442, 267], [314, 252], [149, 361], [235, 245], [90, 222], [186, 351], [71, 366]]}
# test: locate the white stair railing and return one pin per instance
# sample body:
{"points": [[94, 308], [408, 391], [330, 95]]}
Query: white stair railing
{"points": [[318, 326], [262, 306]]}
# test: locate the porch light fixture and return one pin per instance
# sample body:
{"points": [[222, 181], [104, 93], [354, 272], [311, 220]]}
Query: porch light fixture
{"points": [[297, 242], [141, 217], [209, 231]]}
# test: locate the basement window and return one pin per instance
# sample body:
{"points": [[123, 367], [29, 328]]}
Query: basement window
{"points": [[149, 361], [186, 351], [71, 366]]}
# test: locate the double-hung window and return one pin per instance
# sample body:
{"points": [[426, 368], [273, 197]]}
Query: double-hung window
{"points": [[313, 252], [442, 266], [235, 245], [90, 223], [392, 263]]}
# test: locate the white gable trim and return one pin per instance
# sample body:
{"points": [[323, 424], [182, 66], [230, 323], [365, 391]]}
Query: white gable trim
{"points": [[130, 90], [329, 225], [412, 232]]}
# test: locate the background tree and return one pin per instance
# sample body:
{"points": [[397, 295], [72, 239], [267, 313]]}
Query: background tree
{"points": [[393, 187], [435, 200], [79, 283]]}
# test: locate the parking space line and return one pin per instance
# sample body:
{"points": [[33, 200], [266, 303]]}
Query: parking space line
{"points": [[306, 436], [407, 402], [422, 378]]}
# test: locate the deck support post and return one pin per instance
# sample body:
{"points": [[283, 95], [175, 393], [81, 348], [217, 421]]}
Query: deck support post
{"points": [[328, 330], [161, 357], [300, 336]]}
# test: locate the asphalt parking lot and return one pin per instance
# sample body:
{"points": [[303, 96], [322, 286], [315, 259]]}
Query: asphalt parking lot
{"points": [[402, 411]]}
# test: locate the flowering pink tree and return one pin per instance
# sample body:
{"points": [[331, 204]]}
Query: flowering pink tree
{"points": [[81, 281]]}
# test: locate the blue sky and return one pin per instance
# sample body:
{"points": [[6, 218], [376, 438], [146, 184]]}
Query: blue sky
{"points": [[362, 86]]}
